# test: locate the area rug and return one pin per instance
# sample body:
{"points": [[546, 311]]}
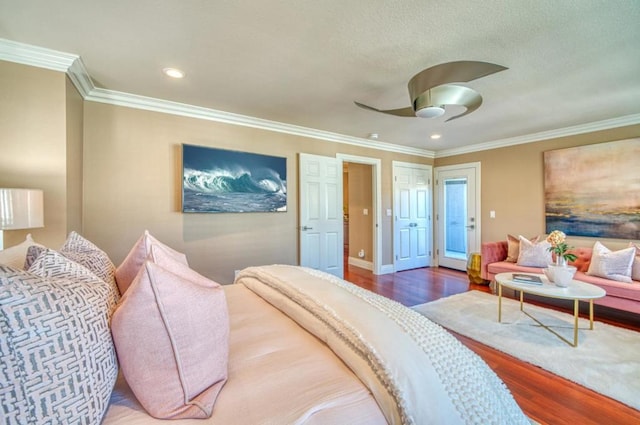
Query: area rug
{"points": [[607, 359]]}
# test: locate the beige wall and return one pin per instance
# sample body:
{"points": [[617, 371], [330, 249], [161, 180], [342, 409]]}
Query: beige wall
{"points": [[360, 197], [74, 133], [33, 130], [513, 184], [132, 182]]}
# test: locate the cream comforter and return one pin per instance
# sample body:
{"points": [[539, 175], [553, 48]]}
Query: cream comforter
{"points": [[417, 372]]}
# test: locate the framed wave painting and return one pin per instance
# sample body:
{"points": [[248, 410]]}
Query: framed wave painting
{"points": [[594, 190], [224, 181]]}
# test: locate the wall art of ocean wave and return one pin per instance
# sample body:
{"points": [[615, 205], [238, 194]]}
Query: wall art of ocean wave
{"points": [[238, 190]]}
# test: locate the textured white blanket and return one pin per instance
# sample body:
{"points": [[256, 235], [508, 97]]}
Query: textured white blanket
{"points": [[417, 371]]}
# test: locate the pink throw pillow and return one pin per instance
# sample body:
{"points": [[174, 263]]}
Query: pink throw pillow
{"points": [[127, 271], [171, 332]]}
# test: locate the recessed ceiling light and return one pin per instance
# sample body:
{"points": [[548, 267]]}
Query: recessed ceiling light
{"points": [[373, 136], [173, 72], [435, 136]]}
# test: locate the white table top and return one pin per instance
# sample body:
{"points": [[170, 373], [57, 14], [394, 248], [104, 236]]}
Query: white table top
{"points": [[576, 290]]}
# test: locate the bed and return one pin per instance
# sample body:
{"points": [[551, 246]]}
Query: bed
{"points": [[308, 348], [86, 342]]}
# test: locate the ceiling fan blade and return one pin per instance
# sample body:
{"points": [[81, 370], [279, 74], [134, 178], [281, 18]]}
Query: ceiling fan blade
{"points": [[450, 94], [450, 72], [403, 112]]}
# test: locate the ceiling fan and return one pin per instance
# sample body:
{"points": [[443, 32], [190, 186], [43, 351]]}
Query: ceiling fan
{"points": [[431, 90]]}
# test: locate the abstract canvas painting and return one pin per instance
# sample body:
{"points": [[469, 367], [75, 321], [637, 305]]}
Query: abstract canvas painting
{"points": [[224, 181], [594, 190]]}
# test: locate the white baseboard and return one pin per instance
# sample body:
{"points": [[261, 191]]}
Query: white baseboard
{"points": [[353, 261], [387, 269]]}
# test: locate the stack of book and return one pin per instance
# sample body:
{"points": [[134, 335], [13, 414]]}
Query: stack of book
{"points": [[526, 278]]}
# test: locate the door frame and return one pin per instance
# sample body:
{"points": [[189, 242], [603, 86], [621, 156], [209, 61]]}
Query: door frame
{"points": [[376, 183], [478, 211], [429, 207]]}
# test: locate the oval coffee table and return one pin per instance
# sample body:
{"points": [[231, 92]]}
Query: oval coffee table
{"points": [[576, 291]]}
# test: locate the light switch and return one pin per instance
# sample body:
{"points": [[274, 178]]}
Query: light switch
{"points": [[388, 212], [492, 214], [365, 211]]}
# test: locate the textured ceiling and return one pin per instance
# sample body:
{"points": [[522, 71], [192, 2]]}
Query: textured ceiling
{"points": [[304, 62]]}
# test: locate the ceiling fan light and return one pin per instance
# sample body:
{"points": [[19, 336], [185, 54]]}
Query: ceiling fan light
{"points": [[430, 112]]}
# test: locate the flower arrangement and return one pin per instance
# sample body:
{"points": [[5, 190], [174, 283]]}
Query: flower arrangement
{"points": [[559, 246]]}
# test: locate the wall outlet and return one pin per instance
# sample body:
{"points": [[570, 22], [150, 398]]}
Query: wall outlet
{"points": [[361, 253], [365, 211]]}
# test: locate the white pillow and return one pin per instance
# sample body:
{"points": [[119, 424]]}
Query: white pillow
{"points": [[614, 265], [635, 268], [15, 255], [534, 254]]}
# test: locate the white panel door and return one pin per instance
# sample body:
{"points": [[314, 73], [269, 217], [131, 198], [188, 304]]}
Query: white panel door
{"points": [[458, 214], [412, 192], [321, 220]]}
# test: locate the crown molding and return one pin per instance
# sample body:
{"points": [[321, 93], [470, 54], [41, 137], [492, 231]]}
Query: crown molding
{"points": [[40, 57], [544, 135], [198, 112]]}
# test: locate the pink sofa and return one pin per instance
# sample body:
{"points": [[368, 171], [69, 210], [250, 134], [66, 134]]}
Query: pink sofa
{"points": [[620, 295]]}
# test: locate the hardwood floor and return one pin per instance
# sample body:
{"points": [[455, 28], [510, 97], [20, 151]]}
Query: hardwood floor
{"points": [[543, 396]]}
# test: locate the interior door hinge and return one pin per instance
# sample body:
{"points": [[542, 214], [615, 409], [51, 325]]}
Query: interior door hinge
{"points": [[437, 252]]}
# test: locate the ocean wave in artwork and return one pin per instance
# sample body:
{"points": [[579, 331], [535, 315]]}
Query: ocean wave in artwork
{"points": [[234, 181], [238, 190]]}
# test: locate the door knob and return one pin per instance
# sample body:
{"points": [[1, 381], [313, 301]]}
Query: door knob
{"points": [[306, 228], [472, 226]]}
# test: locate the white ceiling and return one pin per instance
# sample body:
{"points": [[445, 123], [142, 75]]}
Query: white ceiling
{"points": [[303, 62]]}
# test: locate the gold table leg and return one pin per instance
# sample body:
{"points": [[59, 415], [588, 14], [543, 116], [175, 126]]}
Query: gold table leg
{"points": [[499, 302], [590, 314], [575, 322]]}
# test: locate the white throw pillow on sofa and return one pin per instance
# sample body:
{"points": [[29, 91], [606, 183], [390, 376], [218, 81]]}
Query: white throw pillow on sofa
{"points": [[614, 265], [534, 254]]}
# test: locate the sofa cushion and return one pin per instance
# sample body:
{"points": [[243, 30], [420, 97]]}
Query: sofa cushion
{"points": [[615, 265], [614, 288], [534, 254], [171, 331], [513, 247], [583, 258], [58, 360], [128, 269], [15, 256], [508, 267]]}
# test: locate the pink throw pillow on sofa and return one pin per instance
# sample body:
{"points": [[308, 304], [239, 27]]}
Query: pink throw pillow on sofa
{"points": [[171, 332], [127, 271]]}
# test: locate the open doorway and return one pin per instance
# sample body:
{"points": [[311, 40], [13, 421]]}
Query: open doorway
{"points": [[362, 212], [358, 211]]}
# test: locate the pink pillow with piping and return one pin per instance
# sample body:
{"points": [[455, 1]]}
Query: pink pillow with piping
{"points": [[127, 271], [171, 332]]}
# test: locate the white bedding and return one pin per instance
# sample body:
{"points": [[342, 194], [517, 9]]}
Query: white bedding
{"points": [[278, 374], [418, 372], [363, 359]]}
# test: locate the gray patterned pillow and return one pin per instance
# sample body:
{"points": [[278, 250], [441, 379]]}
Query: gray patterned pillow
{"points": [[84, 252], [58, 360]]}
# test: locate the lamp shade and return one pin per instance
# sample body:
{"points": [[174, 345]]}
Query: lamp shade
{"points": [[21, 209]]}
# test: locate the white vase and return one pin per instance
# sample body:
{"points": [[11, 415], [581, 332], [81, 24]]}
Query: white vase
{"points": [[560, 275]]}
